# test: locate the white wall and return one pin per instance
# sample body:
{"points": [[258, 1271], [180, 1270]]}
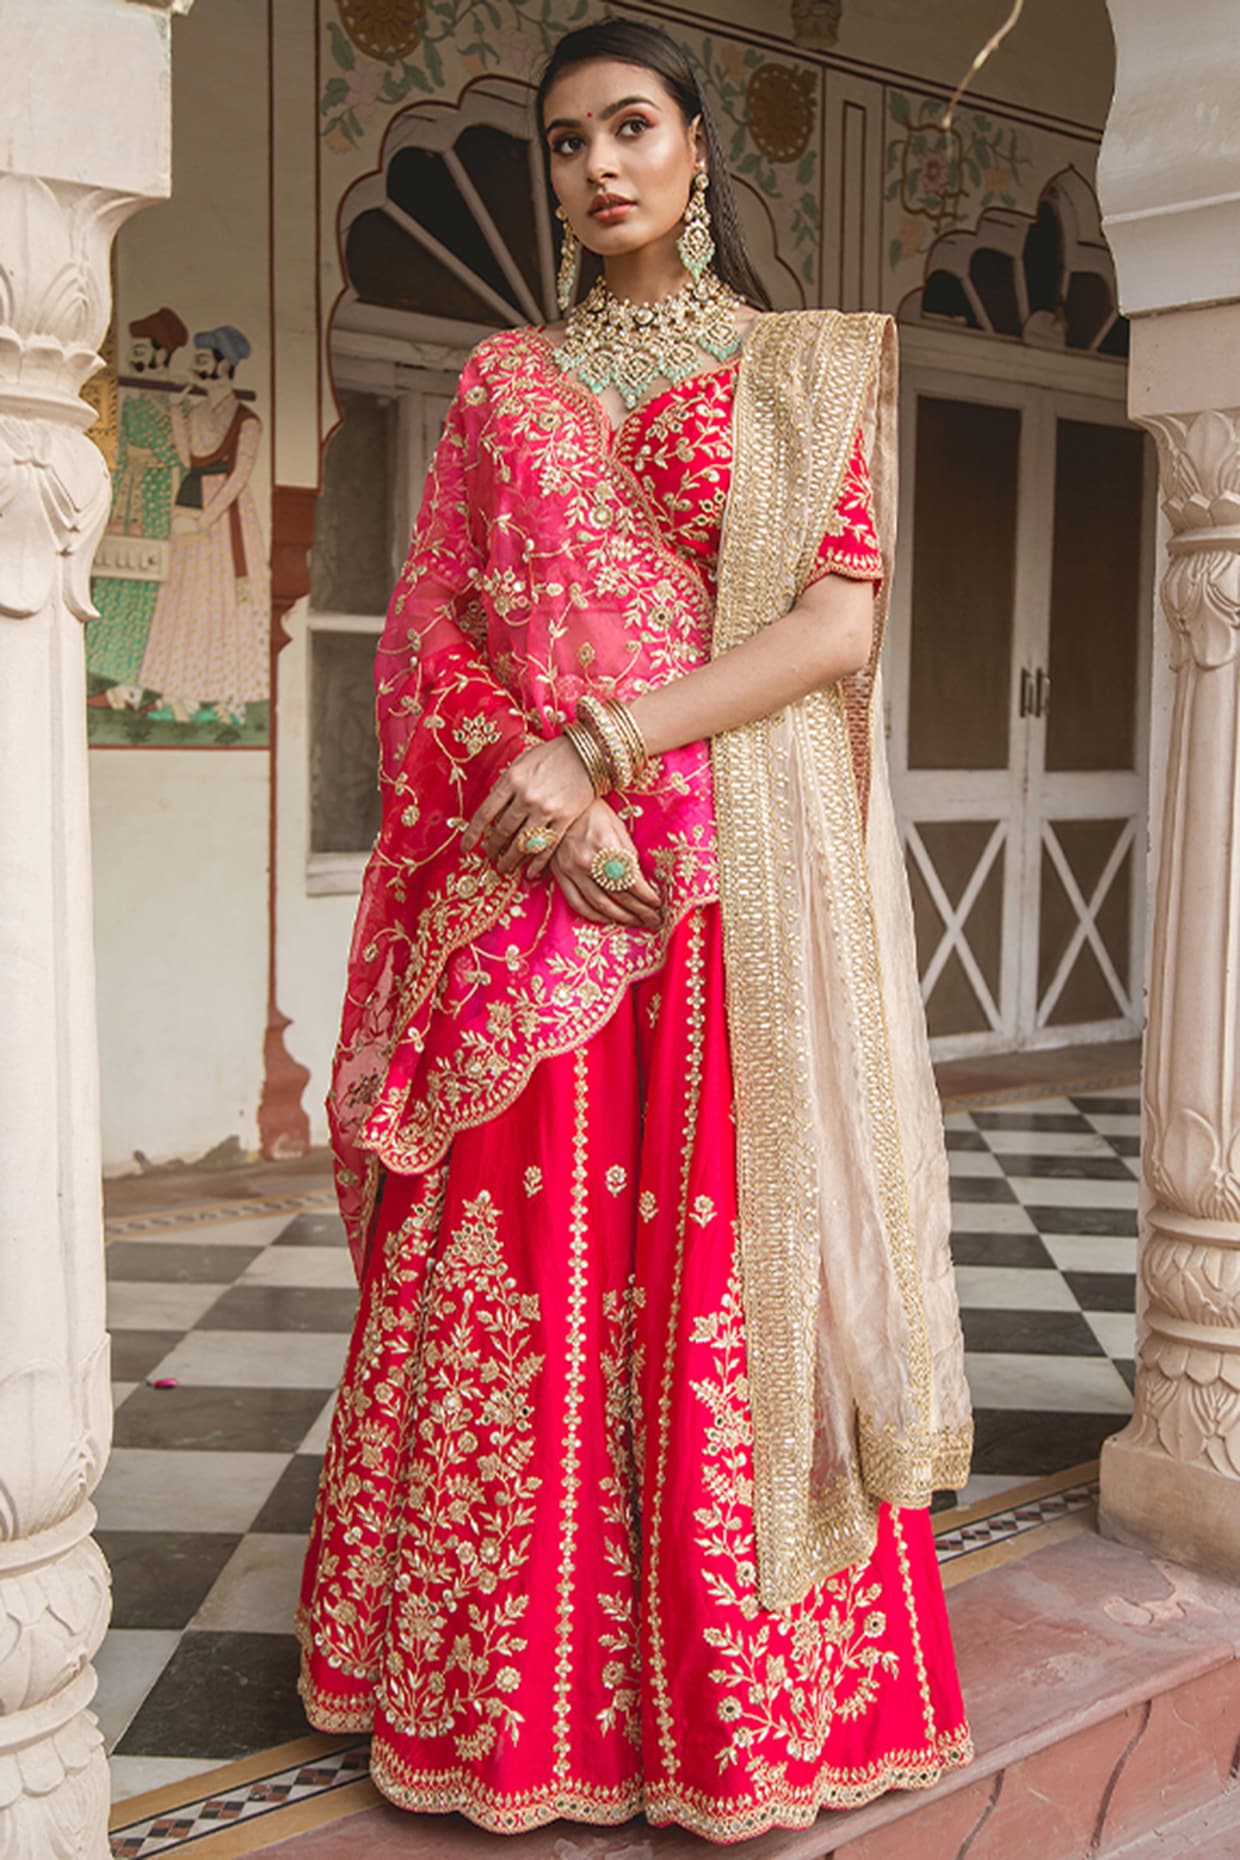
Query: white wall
{"points": [[180, 855], [313, 930]]}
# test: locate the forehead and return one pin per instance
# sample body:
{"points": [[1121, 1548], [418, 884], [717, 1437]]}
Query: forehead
{"points": [[590, 88]]}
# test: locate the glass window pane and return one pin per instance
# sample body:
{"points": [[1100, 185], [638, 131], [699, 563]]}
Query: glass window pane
{"points": [[1095, 597], [964, 558], [344, 761], [353, 564]]}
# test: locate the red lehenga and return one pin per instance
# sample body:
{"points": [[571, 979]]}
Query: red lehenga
{"points": [[533, 1562]]}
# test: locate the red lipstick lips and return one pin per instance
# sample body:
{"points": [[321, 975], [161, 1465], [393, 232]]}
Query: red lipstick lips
{"points": [[609, 208]]}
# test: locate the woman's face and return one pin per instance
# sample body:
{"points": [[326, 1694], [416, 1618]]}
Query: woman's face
{"points": [[622, 155]]}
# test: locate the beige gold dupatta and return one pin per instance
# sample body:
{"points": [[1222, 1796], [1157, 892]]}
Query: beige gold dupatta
{"points": [[855, 1357]]}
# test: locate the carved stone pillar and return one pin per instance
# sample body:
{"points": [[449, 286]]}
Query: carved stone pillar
{"points": [[86, 143], [1167, 180], [1172, 1478]]}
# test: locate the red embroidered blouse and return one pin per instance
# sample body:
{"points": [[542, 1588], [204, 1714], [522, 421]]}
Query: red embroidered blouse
{"points": [[679, 447]]}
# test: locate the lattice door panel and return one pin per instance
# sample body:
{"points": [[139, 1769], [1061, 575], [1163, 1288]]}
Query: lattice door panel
{"points": [[957, 871], [1085, 923]]}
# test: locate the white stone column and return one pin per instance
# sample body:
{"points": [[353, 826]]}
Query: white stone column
{"points": [[1169, 179], [86, 142]]}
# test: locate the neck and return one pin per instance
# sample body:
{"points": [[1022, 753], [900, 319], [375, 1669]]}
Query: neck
{"points": [[645, 276]]}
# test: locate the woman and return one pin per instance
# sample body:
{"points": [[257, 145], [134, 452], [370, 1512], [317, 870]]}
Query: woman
{"points": [[658, 1359]]}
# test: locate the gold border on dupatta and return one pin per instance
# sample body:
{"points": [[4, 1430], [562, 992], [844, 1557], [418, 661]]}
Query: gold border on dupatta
{"points": [[805, 383]]}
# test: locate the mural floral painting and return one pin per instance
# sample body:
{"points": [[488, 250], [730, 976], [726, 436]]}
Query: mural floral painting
{"points": [[937, 178]]}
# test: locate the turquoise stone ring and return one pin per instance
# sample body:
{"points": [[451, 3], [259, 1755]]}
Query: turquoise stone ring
{"points": [[612, 869]]}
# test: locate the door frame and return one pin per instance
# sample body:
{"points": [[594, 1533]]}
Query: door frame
{"points": [[1044, 386]]}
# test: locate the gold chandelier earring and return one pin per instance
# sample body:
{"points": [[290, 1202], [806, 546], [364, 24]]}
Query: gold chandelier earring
{"points": [[570, 263], [696, 244]]}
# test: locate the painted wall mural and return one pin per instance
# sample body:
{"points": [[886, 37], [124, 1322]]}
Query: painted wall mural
{"points": [[381, 54], [937, 185], [178, 656], [936, 178]]}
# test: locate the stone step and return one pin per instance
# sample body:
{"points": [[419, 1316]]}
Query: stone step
{"points": [[1210, 1833], [1103, 1689]]}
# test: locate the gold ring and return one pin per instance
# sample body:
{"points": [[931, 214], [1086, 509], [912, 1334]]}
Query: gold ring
{"points": [[613, 869], [534, 840]]}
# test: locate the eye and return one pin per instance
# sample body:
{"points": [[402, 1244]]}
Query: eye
{"points": [[566, 145], [636, 123]]}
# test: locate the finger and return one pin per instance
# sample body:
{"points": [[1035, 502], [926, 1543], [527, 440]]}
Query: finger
{"points": [[538, 864], [494, 804], [609, 904], [575, 899], [514, 853], [502, 828], [643, 889]]}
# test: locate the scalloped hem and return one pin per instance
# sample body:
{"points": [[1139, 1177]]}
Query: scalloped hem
{"points": [[442, 1792]]}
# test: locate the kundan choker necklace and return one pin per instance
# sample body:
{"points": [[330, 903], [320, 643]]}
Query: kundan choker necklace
{"points": [[611, 342]]}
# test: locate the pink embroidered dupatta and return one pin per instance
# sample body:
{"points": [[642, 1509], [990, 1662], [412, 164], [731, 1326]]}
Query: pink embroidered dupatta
{"points": [[536, 572]]}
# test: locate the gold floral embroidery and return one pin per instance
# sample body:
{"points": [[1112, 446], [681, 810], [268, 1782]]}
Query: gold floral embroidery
{"points": [[647, 1206], [702, 1212], [578, 1231], [695, 991], [616, 1179], [357, 1492], [788, 1675], [533, 1179], [622, 1364], [454, 1645]]}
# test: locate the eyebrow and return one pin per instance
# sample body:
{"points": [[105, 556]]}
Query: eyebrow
{"points": [[613, 109]]}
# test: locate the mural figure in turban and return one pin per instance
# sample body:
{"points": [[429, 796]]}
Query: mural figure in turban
{"points": [[144, 483], [207, 651]]}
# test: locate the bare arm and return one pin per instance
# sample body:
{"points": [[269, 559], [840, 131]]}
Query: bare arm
{"points": [[824, 637]]}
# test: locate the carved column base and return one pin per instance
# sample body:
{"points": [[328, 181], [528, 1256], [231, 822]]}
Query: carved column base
{"points": [[53, 1771], [1171, 1479], [1187, 1513]]}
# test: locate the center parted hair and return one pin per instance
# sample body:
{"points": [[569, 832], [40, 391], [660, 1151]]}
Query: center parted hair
{"points": [[630, 42]]}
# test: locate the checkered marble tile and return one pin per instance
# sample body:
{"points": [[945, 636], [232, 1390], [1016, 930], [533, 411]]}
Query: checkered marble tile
{"points": [[244, 1320]]}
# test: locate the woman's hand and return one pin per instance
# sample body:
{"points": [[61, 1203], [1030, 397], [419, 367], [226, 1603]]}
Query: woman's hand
{"points": [[600, 829], [545, 788]]}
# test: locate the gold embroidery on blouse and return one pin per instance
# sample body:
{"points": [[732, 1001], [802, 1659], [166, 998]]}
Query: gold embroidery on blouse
{"points": [[622, 1363]]}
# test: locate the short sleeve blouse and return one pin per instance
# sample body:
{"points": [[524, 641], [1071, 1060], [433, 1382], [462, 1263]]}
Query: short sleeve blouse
{"points": [[679, 448]]}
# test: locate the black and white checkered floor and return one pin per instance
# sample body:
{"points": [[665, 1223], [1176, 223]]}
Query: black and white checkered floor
{"points": [[207, 1496]]}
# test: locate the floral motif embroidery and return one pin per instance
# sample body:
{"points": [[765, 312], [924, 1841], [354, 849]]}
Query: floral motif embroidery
{"points": [[789, 1675], [703, 1211], [647, 1206], [453, 1656], [357, 1496], [622, 1366], [617, 1178], [533, 1179]]}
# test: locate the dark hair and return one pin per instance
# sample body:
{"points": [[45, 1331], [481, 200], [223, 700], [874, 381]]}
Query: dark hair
{"points": [[632, 43]]}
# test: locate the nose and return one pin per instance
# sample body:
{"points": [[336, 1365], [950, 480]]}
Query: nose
{"points": [[601, 161]]}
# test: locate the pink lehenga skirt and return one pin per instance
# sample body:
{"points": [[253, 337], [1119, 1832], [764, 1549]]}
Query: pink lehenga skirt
{"points": [[532, 1563]]}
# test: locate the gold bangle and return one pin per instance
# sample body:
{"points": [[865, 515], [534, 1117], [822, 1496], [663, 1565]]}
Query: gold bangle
{"points": [[591, 754], [627, 724], [602, 727]]}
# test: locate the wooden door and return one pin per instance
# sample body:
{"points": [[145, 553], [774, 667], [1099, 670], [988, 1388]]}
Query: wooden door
{"points": [[1023, 572]]}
